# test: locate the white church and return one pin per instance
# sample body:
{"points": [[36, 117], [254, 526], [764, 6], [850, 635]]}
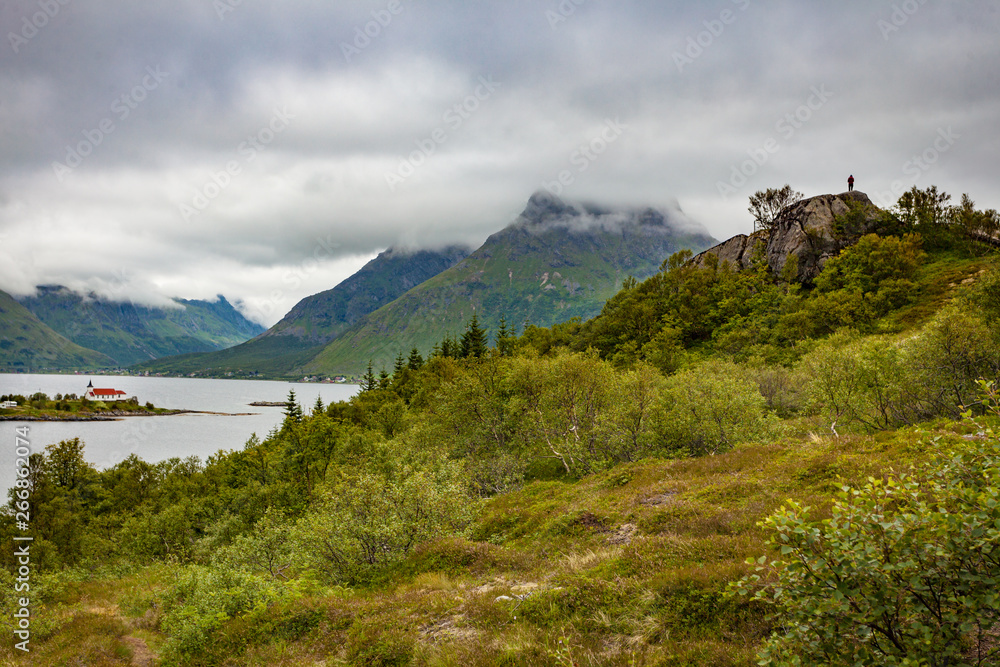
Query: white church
{"points": [[95, 394]]}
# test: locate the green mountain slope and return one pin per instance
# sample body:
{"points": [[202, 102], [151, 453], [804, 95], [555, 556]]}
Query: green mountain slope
{"points": [[318, 319], [557, 261], [322, 317], [129, 333], [28, 345]]}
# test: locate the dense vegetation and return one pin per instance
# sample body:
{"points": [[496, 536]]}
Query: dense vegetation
{"points": [[587, 493]]}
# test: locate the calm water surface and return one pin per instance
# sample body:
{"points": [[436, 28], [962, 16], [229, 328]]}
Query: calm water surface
{"points": [[158, 438]]}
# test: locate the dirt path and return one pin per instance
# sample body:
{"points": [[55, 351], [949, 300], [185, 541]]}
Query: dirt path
{"points": [[142, 656]]}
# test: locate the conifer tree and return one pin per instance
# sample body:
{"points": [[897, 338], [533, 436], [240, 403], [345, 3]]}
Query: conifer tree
{"points": [[474, 340], [398, 366], [505, 338], [368, 381], [293, 411], [416, 361]]}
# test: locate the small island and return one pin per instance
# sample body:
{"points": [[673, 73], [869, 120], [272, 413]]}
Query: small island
{"points": [[95, 405]]}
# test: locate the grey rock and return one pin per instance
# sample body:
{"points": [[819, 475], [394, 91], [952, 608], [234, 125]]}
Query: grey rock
{"points": [[804, 229]]}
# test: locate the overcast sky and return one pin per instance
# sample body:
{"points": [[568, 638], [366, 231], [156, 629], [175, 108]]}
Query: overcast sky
{"points": [[266, 150]]}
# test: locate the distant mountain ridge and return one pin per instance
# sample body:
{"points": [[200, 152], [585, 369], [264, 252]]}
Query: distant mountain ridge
{"points": [[319, 318], [556, 261], [129, 333], [28, 345], [322, 317]]}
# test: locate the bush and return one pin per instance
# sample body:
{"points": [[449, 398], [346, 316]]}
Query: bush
{"points": [[905, 572], [713, 406], [369, 520], [203, 599]]}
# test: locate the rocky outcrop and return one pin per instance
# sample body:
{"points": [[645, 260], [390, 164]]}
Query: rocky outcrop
{"points": [[804, 230], [737, 251]]}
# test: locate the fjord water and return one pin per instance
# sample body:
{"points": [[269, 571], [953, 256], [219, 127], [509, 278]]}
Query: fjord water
{"points": [[159, 438]]}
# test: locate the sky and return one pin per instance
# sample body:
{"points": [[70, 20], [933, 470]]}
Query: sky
{"points": [[266, 150]]}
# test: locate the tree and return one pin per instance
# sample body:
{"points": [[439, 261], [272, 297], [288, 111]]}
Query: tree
{"points": [[905, 571], [474, 340], [923, 208], [368, 380], [416, 361], [293, 411], [766, 205], [398, 365], [505, 339]]}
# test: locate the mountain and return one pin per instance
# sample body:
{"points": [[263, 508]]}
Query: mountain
{"points": [[28, 345], [318, 319], [556, 261], [130, 333], [322, 317]]}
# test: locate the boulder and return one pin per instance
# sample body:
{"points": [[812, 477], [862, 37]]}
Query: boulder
{"points": [[804, 229]]}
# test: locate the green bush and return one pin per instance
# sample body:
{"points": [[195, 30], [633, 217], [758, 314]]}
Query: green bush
{"points": [[905, 572], [713, 406]]}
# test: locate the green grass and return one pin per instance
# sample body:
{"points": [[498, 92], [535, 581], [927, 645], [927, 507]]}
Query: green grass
{"points": [[626, 567]]}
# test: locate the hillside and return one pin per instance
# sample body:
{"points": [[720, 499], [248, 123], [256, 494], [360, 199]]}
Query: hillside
{"points": [[557, 261], [130, 333], [319, 318], [28, 345], [322, 317]]}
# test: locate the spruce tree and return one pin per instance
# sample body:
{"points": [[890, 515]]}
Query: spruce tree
{"points": [[368, 381], [398, 366], [474, 340], [415, 362], [505, 338], [293, 411]]}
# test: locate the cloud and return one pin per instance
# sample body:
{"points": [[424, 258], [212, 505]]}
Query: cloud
{"points": [[189, 188]]}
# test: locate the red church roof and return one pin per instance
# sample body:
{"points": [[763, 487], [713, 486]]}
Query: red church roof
{"points": [[108, 392]]}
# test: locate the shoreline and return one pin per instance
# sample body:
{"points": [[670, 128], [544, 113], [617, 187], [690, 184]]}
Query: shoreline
{"points": [[114, 417]]}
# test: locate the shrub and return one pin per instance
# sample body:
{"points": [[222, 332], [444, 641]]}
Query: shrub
{"points": [[905, 572], [713, 406]]}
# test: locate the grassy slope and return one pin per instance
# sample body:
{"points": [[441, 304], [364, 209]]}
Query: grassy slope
{"points": [[26, 344], [684, 530], [129, 333], [513, 275], [272, 357]]}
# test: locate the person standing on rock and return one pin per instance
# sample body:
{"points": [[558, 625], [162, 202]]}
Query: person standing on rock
{"points": [[850, 183]]}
